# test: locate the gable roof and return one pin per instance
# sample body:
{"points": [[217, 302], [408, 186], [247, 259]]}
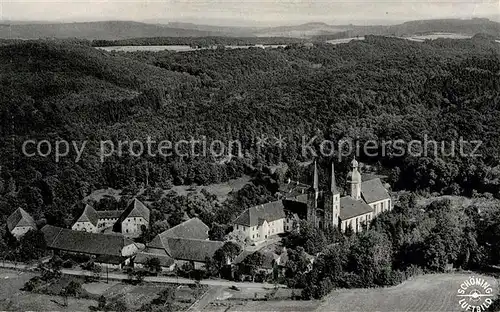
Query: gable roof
{"points": [[192, 249], [84, 242], [89, 215], [193, 228], [135, 209], [373, 191], [350, 208], [20, 218], [270, 212]]}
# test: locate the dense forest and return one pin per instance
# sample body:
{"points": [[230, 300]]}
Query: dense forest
{"points": [[376, 89]]}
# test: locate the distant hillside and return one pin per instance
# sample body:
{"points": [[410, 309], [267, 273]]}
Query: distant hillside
{"points": [[302, 31], [97, 30], [227, 30], [119, 30], [78, 80], [458, 26], [470, 27]]}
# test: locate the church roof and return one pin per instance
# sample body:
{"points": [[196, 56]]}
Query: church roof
{"points": [[270, 212], [89, 215], [20, 218], [373, 191], [350, 208]]}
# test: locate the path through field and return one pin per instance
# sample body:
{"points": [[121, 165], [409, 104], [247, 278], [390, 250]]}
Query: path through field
{"points": [[436, 292]]}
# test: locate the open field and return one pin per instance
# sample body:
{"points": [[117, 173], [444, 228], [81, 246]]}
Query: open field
{"points": [[433, 292], [282, 305], [221, 190], [12, 298], [428, 293], [462, 202]]}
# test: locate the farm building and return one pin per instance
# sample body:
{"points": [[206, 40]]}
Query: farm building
{"points": [[129, 222], [186, 242], [112, 251], [20, 222]]}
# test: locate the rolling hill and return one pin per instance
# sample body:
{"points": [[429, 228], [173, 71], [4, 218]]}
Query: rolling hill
{"points": [[116, 30], [97, 30]]}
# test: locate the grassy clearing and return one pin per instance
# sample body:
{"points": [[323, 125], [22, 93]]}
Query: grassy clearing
{"points": [[137, 295], [12, 298], [221, 190], [433, 292], [461, 201]]}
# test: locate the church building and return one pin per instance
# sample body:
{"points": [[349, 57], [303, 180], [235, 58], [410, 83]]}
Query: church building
{"points": [[323, 208], [365, 201]]}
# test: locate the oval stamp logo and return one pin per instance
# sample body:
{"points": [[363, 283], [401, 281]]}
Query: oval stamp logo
{"points": [[476, 294]]}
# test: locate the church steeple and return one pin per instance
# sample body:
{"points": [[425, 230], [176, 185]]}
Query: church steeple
{"points": [[315, 185], [333, 183], [312, 198], [355, 180], [332, 203]]}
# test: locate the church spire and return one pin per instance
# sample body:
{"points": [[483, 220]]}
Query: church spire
{"points": [[315, 178], [355, 180], [333, 185]]}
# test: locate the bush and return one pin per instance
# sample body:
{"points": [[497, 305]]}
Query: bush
{"points": [[33, 283]]}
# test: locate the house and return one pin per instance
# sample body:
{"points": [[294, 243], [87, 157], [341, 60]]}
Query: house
{"points": [[128, 222], [88, 221], [20, 222], [186, 242], [260, 222], [133, 219], [324, 209], [112, 251]]}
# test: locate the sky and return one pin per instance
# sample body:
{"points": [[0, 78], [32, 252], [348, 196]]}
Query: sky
{"points": [[247, 12]]}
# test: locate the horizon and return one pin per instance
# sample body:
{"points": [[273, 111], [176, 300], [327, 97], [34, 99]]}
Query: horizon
{"points": [[201, 23], [245, 13]]}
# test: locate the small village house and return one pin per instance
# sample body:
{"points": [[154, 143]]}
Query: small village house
{"points": [[20, 222]]}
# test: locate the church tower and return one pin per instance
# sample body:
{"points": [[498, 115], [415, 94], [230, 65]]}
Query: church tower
{"points": [[355, 180], [312, 197], [332, 202]]}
